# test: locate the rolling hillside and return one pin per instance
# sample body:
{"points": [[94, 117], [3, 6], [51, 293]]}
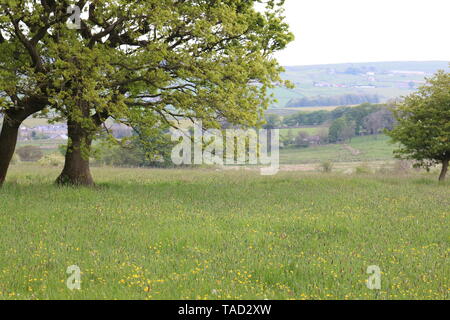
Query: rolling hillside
{"points": [[385, 80]]}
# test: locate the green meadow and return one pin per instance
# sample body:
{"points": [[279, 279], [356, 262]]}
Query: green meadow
{"points": [[210, 234], [360, 149]]}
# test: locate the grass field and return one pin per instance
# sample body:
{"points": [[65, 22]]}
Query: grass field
{"points": [[372, 148], [308, 130], [290, 111], [205, 234], [360, 149], [47, 146]]}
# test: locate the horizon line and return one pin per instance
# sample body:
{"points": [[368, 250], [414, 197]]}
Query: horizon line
{"points": [[362, 62]]}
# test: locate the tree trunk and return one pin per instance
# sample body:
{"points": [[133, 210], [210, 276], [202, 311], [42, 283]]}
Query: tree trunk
{"points": [[76, 170], [12, 120], [8, 141], [445, 164]]}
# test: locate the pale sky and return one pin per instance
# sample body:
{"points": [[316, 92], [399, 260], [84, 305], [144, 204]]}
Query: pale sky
{"points": [[339, 31]]}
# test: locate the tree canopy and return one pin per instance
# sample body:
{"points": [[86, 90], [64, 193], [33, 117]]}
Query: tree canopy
{"points": [[141, 63]]}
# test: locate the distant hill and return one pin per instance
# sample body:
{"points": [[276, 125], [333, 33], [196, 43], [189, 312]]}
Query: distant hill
{"points": [[323, 85]]}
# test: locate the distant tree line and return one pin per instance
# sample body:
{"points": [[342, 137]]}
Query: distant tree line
{"points": [[338, 100], [357, 71], [358, 114], [366, 119], [339, 125]]}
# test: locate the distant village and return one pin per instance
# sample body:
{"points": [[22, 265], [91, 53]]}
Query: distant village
{"points": [[46, 132]]}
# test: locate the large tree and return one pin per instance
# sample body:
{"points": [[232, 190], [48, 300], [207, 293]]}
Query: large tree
{"points": [[24, 77], [32, 35], [148, 62], [423, 128]]}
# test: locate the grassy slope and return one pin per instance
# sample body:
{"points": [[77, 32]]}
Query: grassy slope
{"points": [[371, 149], [388, 86], [186, 234], [296, 131]]}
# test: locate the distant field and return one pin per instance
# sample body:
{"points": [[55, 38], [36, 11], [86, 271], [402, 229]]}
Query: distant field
{"points": [[361, 149], [296, 131], [47, 146], [290, 111], [204, 234], [372, 148]]}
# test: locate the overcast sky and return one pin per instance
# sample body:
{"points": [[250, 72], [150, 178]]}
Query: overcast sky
{"points": [[338, 31]]}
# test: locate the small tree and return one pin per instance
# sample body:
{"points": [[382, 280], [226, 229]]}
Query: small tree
{"points": [[301, 141], [288, 139], [273, 121], [424, 125], [342, 129]]}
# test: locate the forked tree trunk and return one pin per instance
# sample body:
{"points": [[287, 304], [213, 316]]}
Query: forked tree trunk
{"points": [[76, 170], [444, 171], [8, 141]]}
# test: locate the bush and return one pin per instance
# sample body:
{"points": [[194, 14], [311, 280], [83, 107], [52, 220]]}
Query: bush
{"points": [[30, 153], [326, 166], [52, 160]]}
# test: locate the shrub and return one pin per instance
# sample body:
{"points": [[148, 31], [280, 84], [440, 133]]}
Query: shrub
{"points": [[30, 153], [326, 166], [52, 160]]}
